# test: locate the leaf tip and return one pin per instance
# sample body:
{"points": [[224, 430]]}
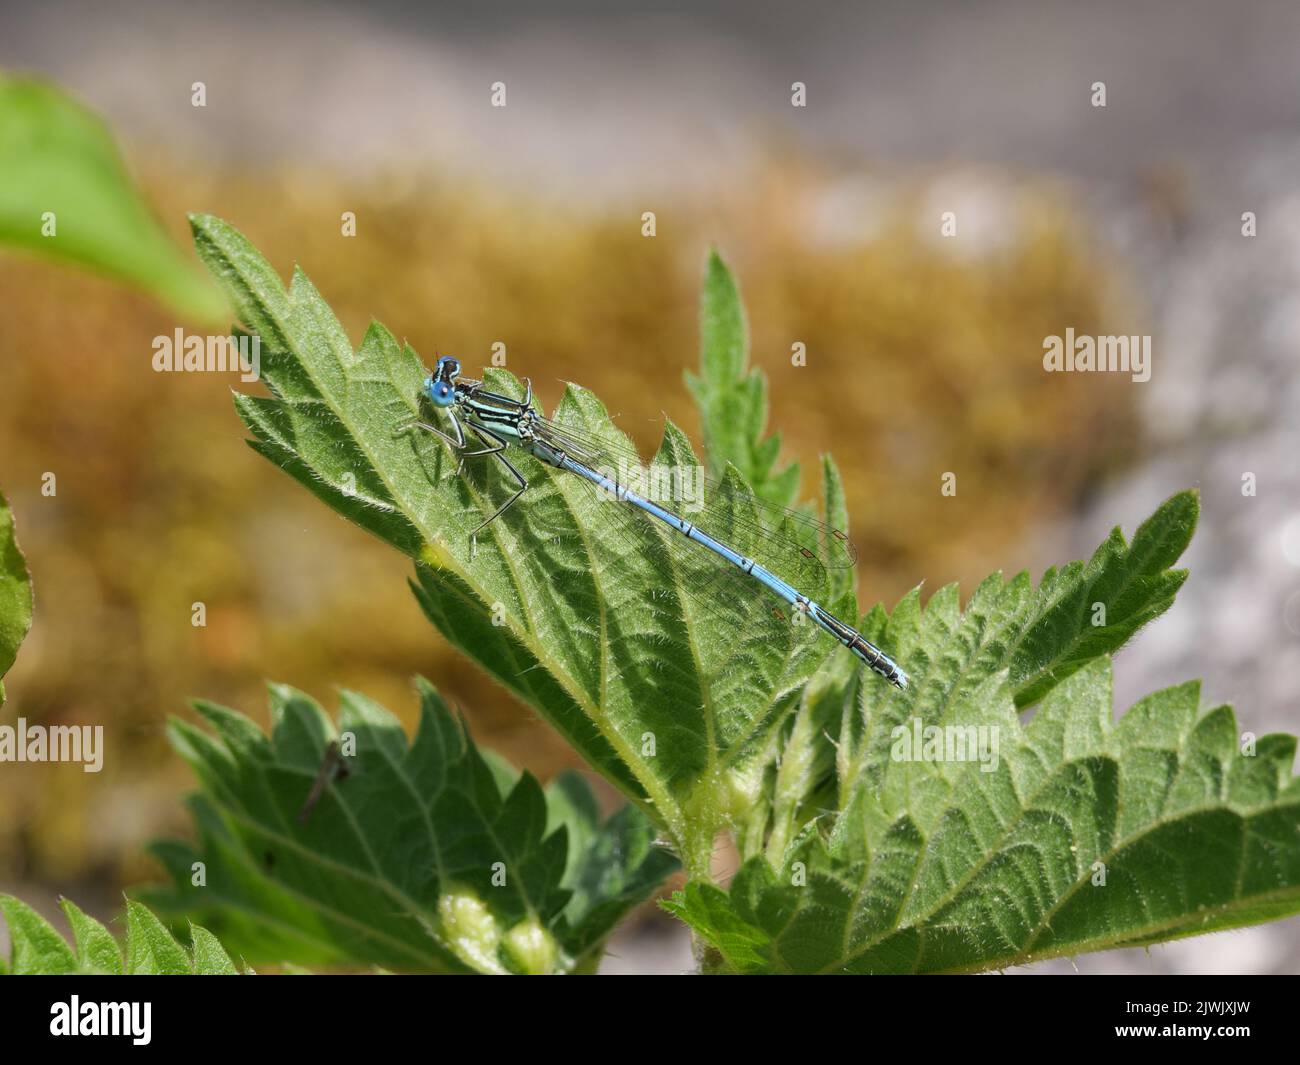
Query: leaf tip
{"points": [[201, 222]]}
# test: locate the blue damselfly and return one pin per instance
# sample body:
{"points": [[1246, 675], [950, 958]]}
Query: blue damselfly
{"points": [[498, 422]]}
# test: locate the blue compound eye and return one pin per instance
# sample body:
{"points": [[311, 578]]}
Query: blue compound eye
{"points": [[441, 394]]}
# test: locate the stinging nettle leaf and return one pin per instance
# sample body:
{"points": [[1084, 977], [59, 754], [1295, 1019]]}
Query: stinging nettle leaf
{"points": [[1067, 834], [1089, 836], [1085, 611], [422, 856], [97, 950], [1038, 635], [36, 949], [34, 946], [150, 948], [731, 397]]}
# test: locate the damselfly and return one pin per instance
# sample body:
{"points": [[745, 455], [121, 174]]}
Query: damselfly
{"points": [[498, 422]]}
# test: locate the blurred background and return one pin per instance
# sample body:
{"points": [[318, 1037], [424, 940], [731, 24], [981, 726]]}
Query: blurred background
{"points": [[522, 225]]}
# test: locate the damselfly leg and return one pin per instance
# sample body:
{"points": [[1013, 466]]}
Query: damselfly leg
{"points": [[497, 448], [495, 445], [457, 441]]}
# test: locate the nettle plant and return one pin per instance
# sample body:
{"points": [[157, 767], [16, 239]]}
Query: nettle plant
{"points": [[343, 842], [1082, 834]]}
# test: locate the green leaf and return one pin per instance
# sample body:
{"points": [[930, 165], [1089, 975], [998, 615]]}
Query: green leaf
{"points": [[1067, 834], [36, 949], [150, 948], [210, 957], [590, 618], [732, 399], [1039, 636], [414, 857], [15, 594], [64, 192], [34, 946], [1085, 611], [1192, 837], [97, 950], [611, 867]]}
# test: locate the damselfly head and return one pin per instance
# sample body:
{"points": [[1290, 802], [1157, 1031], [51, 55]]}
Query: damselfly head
{"points": [[440, 393], [440, 386]]}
